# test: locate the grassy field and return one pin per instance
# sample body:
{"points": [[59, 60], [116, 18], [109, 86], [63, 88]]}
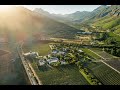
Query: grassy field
{"points": [[63, 75], [41, 48]]}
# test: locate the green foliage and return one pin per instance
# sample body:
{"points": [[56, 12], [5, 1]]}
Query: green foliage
{"points": [[111, 24], [115, 36], [108, 23]]}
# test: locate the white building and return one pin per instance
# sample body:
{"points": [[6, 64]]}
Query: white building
{"points": [[61, 52], [54, 52], [63, 62], [33, 54], [80, 50], [52, 60], [41, 62]]}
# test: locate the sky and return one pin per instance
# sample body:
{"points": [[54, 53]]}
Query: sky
{"points": [[62, 9]]}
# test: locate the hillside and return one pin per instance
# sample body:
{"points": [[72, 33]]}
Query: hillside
{"points": [[110, 21], [20, 23]]}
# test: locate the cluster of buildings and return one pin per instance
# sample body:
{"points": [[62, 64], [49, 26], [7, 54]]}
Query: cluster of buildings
{"points": [[84, 37], [46, 59], [31, 54], [58, 52]]}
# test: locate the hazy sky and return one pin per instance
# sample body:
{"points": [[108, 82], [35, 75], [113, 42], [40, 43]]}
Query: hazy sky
{"points": [[63, 9]]}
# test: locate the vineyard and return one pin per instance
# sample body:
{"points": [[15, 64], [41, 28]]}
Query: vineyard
{"points": [[90, 53], [114, 63], [106, 75], [87, 71], [109, 59], [63, 75], [103, 54]]}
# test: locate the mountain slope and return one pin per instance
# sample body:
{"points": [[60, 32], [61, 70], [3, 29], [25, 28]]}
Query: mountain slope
{"points": [[21, 23], [111, 20]]}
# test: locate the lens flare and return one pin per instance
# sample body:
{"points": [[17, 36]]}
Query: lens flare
{"points": [[5, 7]]}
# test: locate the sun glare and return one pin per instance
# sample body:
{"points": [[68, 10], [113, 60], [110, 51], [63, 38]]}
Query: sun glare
{"points": [[5, 7]]}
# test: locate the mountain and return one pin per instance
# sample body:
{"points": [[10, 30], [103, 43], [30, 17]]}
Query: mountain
{"points": [[112, 10], [106, 17], [68, 19], [77, 15], [89, 16], [58, 17], [71, 17], [109, 19], [20, 23]]}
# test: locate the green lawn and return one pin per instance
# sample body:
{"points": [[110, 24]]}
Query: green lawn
{"points": [[41, 48], [63, 75]]}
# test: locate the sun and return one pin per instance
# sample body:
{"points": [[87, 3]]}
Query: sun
{"points": [[5, 7]]}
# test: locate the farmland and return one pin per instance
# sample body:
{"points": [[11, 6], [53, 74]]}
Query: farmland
{"points": [[103, 53], [71, 74], [106, 75], [103, 72], [90, 53], [62, 75]]}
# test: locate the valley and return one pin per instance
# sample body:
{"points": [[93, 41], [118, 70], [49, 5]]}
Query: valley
{"points": [[41, 48]]}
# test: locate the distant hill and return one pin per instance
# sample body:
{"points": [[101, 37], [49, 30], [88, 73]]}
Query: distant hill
{"points": [[106, 17]]}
